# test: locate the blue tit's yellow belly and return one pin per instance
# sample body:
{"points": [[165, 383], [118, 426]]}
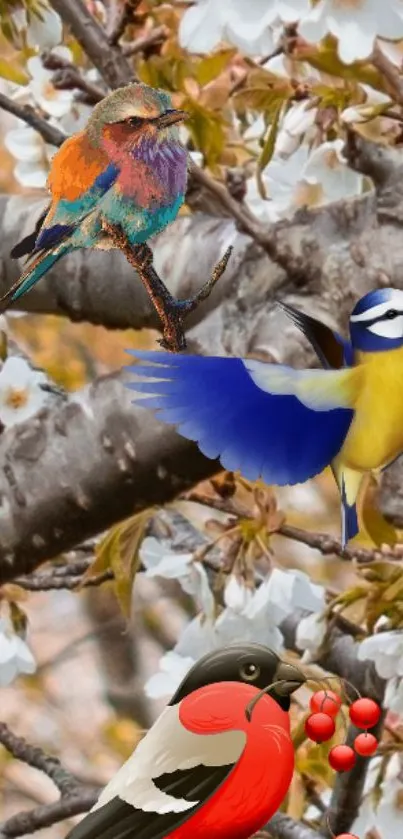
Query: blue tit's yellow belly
{"points": [[375, 437]]}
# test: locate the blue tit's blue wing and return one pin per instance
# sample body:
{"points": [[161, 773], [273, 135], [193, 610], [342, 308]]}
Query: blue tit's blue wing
{"points": [[332, 350], [265, 420]]}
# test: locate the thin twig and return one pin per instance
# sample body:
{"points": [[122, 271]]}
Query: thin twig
{"points": [[35, 756], [66, 76], [322, 542], [48, 132], [349, 786], [171, 311], [124, 15], [46, 815], [329, 545], [155, 36]]}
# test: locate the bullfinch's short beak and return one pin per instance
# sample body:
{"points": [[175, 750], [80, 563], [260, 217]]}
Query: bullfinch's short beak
{"points": [[170, 117], [290, 677]]}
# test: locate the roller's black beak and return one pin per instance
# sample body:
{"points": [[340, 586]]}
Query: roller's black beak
{"points": [[170, 117], [290, 679]]}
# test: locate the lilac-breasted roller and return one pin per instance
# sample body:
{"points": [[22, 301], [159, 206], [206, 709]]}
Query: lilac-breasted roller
{"points": [[127, 167], [286, 425]]}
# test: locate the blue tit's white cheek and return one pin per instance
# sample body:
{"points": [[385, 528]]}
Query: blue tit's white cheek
{"points": [[388, 328]]}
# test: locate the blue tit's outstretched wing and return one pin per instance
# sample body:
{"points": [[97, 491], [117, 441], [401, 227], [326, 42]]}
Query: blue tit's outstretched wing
{"points": [[265, 420], [332, 350]]}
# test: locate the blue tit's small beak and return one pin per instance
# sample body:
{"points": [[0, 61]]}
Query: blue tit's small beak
{"points": [[170, 117]]}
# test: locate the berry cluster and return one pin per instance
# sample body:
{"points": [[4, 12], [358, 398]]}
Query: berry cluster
{"points": [[320, 726]]}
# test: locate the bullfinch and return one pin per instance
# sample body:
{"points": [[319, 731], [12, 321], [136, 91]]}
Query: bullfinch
{"points": [[218, 761]]}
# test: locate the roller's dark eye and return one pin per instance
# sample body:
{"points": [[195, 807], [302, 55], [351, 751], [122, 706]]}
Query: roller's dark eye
{"points": [[249, 672], [135, 122], [391, 314]]}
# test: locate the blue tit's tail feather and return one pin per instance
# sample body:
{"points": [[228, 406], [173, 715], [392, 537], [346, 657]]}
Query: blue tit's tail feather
{"points": [[37, 268], [349, 518]]}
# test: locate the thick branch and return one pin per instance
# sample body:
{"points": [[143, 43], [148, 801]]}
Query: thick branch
{"points": [[81, 467], [108, 59]]}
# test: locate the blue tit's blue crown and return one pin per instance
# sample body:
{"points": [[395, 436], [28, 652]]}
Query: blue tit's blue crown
{"points": [[376, 322]]}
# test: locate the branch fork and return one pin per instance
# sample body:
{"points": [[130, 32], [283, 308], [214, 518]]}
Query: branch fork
{"points": [[171, 311]]}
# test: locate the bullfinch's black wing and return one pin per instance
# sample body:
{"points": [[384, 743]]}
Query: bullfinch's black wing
{"points": [[170, 775], [332, 350], [27, 245]]}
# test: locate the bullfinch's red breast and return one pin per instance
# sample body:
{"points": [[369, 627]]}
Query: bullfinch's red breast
{"points": [[214, 764]]}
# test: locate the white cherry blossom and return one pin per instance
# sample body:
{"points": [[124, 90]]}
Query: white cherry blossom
{"points": [[247, 617], [385, 649], [296, 122], [355, 23], [20, 393], [54, 102], [386, 818], [310, 635], [32, 154], [393, 699], [160, 561], [15, 655], [303, 180], [43, 32]]}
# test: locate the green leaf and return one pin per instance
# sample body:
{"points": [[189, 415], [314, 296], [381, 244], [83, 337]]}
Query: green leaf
{"points": [[12, 72], [394, 591], [19, 619], [119, 551], [212, 65], [324, 57], [260, 97], [268, 148]]}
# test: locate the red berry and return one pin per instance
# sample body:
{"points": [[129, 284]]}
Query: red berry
{"points": [[346, 836], [364, 713], [365, 744], [341, 758], [320, 727], [326, 702]]}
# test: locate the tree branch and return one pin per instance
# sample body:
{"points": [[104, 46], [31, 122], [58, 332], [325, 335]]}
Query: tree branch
{"points": [[46, 815], [108, 59], [349, 786], [77, 469], [171, 311], [48, 132], [143, 44], [283, 827], [66, 76], [35, 756]]}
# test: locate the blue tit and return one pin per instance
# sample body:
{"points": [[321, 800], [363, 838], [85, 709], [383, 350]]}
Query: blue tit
{"points": [[283, 425]]}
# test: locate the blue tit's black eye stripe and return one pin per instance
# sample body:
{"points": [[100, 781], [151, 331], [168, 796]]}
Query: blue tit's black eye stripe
{"points": [[391, 314]]}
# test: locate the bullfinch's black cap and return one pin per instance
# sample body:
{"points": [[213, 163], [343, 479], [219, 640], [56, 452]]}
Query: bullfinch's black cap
{"points": [[252, 664]]}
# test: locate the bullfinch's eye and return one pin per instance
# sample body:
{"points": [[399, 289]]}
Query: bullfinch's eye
{"points": [[249, 672], [391, 314]]}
